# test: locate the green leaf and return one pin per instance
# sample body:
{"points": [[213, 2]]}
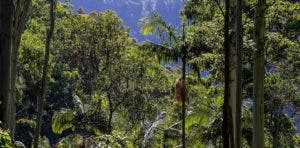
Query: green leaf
{"points": [[62, 121]]}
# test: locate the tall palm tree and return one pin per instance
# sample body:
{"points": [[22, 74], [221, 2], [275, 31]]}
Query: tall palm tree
{"points": [[173, 47]]}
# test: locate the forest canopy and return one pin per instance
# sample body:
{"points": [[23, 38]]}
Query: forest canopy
{"points": [[226, 76]]}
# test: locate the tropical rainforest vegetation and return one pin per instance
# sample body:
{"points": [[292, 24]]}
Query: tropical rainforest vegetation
{"points": [[228, 76]]}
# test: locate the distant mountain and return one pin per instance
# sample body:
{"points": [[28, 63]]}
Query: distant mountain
{"points": [[132, 10]]}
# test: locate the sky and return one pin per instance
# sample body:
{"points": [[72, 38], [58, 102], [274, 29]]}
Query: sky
{"points": [[131, 11]]}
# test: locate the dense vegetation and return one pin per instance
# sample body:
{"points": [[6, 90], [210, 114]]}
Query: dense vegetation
{"points": [[103, 88]]}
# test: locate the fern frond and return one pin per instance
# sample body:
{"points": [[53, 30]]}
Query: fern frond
{"points": [[62, 121], [29, 122]]}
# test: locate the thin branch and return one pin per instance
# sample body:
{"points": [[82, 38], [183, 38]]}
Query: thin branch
{"points": [[220, 7]]}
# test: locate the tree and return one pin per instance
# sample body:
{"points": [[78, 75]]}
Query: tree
{"points": [[239, 50], [227, 108], [174, 47], [116, 78], [98, 54], [41, 100], [6, 33], [13, 19], [20, 18], [258, 74]]}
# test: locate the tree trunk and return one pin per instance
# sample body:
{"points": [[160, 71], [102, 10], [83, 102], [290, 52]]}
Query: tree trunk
{"points": [[275, 132], [183, 102], [20, 15], [185, 97], [110, 115], [233, 72], [6, 31], [258, 73], [44, 77], [239, 50], [227, 133]]}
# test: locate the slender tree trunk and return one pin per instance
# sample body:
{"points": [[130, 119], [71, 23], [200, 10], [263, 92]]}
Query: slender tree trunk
{"points": [[275, 133], [110, 115], [6, 31], [41, 100], [258, 73], [233, 65], [185, 97], [183, 102], [20, 16], [239, 50], [227, 110]]}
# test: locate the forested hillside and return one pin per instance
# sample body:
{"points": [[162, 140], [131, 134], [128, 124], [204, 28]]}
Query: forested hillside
{"points": [[223, 74]]}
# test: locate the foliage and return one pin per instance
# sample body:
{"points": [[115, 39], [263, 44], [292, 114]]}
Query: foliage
{"points": [[62, 121], [107, 88], [5, 140]]}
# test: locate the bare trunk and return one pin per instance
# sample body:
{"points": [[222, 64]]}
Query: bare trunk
{"points": [[185, 97], [275, 132], [258, 73], [20, 15], [239, 50], [41, 100], [6, 31], [183, 103], [233, 72], [227, 106]]}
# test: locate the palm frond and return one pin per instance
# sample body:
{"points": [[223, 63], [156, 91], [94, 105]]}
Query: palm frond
{"points": [[154, 24], [196, 118], [62, 120], [162, 52]]}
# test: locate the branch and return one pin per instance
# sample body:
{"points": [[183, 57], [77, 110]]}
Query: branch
{"points": [[248, 80], [219, 6]]}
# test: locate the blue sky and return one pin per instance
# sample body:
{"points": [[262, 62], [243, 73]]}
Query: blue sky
{"points": [[133, 10]]}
